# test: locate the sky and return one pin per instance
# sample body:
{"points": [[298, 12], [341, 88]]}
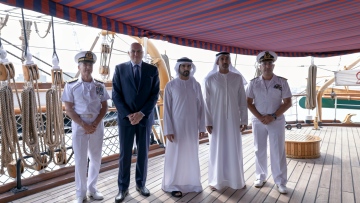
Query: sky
{"points": [[70, 38]]}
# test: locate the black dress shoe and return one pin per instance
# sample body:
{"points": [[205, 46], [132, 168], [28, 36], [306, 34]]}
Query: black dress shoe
{"points": [[143, 190], [121, 196]]}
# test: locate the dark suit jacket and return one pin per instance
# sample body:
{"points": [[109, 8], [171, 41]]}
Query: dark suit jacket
{"points": [[128, 99]]}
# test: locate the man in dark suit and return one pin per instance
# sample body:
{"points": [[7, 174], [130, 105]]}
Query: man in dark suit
{"points": [[135, 93]]}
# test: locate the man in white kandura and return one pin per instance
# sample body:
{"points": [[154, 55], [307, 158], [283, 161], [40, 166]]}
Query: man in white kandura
{"points": [[268, 97], [226, 116], [85, 101], [184, 124]]}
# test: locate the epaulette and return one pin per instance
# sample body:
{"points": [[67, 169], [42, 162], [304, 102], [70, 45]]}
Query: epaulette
{"points": [[97, 80], [282, 78], [254, 78], [72, 80]]}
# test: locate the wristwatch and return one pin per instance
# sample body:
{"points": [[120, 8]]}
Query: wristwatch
{"points": [[273, 115]]}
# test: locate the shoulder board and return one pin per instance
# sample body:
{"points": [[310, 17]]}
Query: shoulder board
{"points": [[282, 78], [254, 78], [97, 80], [72, 80]]}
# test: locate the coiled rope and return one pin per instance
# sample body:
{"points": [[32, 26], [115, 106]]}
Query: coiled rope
{"points": [[105, 57], [32, 120], [33, 124], [54, 121], [55, 135], [8, 125]]}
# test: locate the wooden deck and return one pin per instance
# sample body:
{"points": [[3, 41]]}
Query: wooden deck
{"points": [[334, 177]]}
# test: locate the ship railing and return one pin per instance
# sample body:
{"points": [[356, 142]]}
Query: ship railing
{"points": [[110, 146]]}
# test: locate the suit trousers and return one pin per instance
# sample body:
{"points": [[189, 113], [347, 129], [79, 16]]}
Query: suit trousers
{"points": [[275, 131], [126, 140], [87, 146]]}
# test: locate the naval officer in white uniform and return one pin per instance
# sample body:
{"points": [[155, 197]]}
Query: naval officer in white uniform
{"points": [[86, 104], [268, 97]]}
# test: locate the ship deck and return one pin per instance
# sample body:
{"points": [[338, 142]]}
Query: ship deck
{"points": [[333, 177]]}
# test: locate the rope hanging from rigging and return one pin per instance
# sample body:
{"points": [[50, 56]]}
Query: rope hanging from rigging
{"points": [[9, 138], [3, 23], [54, 114], [47, 30], [34, 138], [106, 49]]}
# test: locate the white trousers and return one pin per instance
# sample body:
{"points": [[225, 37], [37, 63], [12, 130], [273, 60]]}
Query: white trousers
{"points": [[87, 146], [276, 133]]}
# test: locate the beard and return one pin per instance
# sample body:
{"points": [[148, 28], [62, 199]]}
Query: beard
{"points": [[225, 66], [185, 73]]}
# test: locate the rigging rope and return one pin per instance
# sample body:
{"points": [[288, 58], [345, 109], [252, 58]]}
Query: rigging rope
{"points": [[47, 30], [111, 48], [33, 125], [8, 125], [54, 121], [24, 28], [53, 33], [32, 120], [54, 118], [4, 23], [33, 56]]}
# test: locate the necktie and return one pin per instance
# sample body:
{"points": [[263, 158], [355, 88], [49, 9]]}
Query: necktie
{"points": [[137, 76]]}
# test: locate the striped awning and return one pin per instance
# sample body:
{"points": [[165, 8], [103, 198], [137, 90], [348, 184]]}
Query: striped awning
{"points": [[290, 28]]}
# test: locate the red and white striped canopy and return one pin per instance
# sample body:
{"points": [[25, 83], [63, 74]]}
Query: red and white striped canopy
{"points": [[290, 28]]}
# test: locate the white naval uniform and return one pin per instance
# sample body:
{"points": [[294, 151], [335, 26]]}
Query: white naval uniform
{"points": [[87, 98], [268, 97]]}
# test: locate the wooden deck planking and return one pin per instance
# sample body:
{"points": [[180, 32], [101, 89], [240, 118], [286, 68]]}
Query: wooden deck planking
{"points": [[111, 188], [335, 186], [356, 135], [347, 197], [356, 180], [294, 171], [330, 178], [353, 150], [311, 190], [158, 193], [262, 193], [163, 196], [272, 195], [314, 179], [249, 176], [251, 192], [247, 156], [346, 175], [326, 172], [322, 195], [302, 183]]}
